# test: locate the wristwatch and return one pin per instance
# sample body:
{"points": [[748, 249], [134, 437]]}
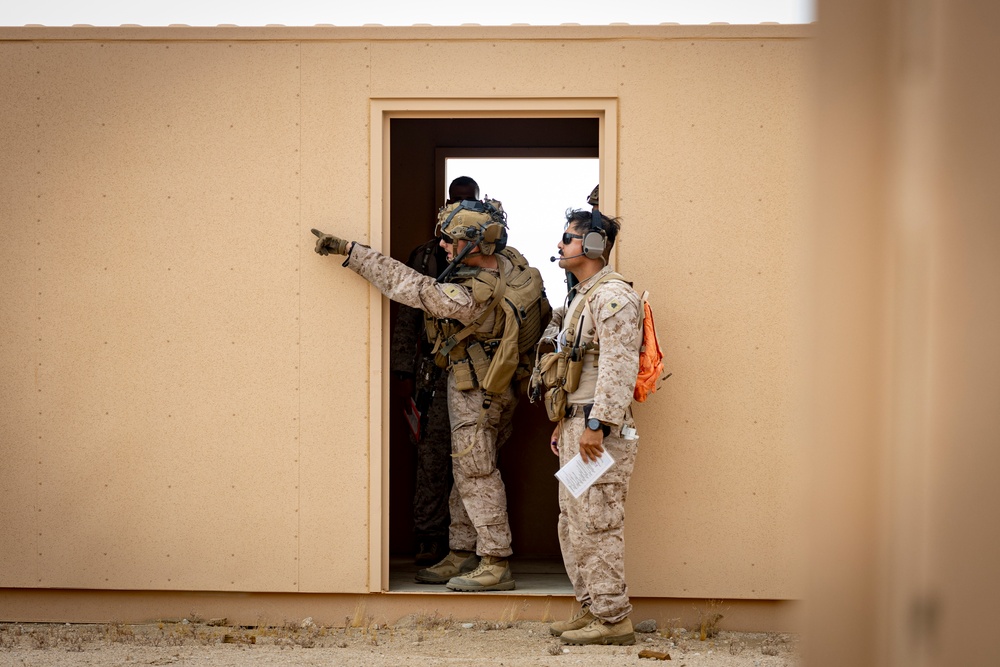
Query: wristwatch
{"points": [[594, 424]]}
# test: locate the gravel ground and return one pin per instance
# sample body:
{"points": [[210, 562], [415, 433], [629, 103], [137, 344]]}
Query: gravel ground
{"points": [[415, 641]]}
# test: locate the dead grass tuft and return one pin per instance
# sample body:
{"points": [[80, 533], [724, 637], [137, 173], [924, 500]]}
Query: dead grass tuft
{"points": [[708, 620]]}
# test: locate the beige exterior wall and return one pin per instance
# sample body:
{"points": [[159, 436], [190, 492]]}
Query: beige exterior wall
{"points": [[193, 400]]}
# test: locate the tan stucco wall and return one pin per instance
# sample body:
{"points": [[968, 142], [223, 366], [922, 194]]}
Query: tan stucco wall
{"points": [[192, 396]]}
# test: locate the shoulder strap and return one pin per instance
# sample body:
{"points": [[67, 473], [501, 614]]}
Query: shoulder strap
{"points": [[578, 313], [494, 301]]}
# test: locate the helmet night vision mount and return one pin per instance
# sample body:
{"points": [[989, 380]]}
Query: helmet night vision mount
{"points": [[482, 223]]}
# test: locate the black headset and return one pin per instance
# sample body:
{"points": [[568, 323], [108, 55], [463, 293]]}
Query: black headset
{"points": [[595, 240]]}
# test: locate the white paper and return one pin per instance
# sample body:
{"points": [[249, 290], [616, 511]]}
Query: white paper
{"points": [[577, 476]]}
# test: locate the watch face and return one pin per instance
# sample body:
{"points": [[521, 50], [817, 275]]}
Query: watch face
{"points": [[594, 424]]}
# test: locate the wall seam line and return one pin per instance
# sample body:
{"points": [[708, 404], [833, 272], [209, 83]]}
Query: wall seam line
{"points": [[298, 439]]}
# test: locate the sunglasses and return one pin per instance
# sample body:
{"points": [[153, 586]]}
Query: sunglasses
{"points": [[567, 238], [438, 232]]}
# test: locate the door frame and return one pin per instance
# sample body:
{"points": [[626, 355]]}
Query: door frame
{"points": [[382, 111]]}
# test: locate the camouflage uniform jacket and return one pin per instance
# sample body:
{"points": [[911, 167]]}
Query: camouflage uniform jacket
{"points": [[616, 329], [409, 338], [407, 286]]}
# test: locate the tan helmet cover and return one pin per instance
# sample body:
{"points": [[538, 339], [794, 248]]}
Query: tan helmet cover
{"points": [[485, 224]]}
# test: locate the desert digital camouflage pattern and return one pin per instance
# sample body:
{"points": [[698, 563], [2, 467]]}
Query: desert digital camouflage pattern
{"points": [[478, 502], [612, 320], [592, 527], [409, 287], [479, 499]]}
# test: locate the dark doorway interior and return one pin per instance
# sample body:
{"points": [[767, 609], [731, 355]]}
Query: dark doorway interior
{"points": [[416, 192]]}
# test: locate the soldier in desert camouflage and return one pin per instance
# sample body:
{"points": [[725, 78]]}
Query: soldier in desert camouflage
{"points": [[479, 534], [418, 377], [607, 328]]}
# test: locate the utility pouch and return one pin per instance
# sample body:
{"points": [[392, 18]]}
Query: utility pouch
{"points": [[464, 380], [548, 380], [480, 362], [555, 404], [574, 369], [551, 369]]}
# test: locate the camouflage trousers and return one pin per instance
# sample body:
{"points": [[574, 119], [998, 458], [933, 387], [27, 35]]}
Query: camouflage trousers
{"points": [[478, 499], [592, 527], [433, 478]]}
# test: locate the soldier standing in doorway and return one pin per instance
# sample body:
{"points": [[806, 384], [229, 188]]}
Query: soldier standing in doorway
{"points": [[419, 379], [480, 305]]}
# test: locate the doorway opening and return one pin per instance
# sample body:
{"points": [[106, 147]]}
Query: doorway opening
{"points": [[535, 193], [424, 155]]}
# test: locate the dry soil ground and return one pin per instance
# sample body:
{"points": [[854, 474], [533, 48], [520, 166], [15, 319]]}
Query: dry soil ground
{"points": [[418, 641]]}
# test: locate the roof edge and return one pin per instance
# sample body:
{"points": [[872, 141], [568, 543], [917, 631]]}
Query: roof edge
{"points": [[403, 33]]}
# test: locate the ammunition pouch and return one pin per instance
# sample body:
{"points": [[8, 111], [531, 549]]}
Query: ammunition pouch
{"points": [[557, 374], [555, 377], [480, 361], [464, 378]]}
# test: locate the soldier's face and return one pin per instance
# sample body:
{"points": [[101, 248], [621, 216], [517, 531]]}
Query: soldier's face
{"points": [[570, 248], [450, 248]]}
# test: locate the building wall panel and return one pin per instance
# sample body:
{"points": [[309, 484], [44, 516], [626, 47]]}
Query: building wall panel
{"points": [[194, 392], [710, 141]]}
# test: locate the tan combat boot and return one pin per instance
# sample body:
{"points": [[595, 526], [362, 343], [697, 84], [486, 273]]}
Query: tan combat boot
{"points": [[599, 632], [455, 563], [581, 620], [493, 574]]}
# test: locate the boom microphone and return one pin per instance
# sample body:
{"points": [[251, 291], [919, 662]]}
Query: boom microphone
{"points": [[556, 259]]}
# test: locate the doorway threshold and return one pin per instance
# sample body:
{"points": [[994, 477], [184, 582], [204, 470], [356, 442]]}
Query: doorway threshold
{"points": [[533, 576]]}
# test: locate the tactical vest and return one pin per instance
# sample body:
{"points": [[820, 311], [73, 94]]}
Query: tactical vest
{"points": [[556, 374], [491, 359]]}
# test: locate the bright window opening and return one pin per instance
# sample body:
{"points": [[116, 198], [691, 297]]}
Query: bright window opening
{"points": [[535, 193]]}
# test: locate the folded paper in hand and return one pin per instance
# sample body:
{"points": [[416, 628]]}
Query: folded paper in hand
{"points": [[577, 476]]}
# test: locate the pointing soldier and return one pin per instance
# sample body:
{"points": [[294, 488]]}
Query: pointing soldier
{"points": [[469, 303], [418, 377]]}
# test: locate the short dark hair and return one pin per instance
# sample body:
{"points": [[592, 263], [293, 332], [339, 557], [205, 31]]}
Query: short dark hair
{"points": [[581, 219], [462, 182]]}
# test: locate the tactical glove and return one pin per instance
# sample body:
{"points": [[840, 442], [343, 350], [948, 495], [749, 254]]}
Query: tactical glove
{"points": [[327, 244]]}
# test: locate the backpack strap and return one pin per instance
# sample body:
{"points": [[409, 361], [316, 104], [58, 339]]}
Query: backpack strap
{"points": [[447, 345], [591, 293]]}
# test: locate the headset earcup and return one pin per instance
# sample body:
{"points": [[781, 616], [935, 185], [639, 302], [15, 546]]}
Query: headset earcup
{"points": [[593, 245], [494, 239], [501, 242]]}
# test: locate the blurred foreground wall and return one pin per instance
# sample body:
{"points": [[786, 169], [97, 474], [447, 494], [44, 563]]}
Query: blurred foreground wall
{"points": [[905, 371]]}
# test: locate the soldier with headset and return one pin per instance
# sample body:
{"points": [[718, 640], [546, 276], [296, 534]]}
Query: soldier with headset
{"points": [[472, 305], [601, 324], [418, 378]]}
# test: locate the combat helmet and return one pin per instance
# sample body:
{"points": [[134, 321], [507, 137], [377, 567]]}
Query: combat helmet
{"points": [[482, 223]]}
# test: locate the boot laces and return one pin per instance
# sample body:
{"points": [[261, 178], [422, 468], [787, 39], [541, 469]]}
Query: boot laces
{"points": [[483, 566]]}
